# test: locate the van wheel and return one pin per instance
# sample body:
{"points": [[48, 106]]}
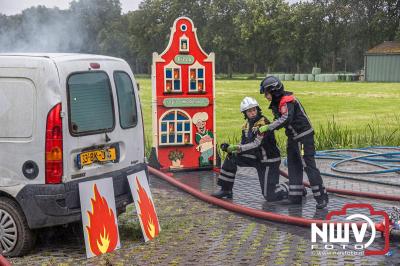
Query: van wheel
{"points": [[16, 239]]}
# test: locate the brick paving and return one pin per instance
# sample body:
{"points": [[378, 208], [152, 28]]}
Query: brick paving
{"points": [[247, 192], [194, 233], [197, 233]]}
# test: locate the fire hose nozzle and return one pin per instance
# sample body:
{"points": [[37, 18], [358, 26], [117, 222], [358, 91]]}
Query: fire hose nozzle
{"points": [[224, 147]]}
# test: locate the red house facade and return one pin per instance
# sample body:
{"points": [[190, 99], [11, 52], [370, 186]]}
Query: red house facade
{"points": [[183, 80]]}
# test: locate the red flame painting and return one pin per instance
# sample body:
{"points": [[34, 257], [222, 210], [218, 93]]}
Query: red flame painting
{"points": [[147, 213], [102, 229]]}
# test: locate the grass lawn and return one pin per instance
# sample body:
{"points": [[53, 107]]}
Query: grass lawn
{"points": [[369, 112]]}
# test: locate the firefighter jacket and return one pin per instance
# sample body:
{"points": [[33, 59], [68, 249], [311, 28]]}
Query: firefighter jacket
{"points": [[260, 146], [290, 114]]}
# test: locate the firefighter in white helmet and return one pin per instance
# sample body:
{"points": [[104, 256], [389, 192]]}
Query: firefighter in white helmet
{"points": [[258, 151]]}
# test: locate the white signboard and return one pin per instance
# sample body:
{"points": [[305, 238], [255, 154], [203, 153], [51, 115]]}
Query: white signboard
{"points": [[99, 217], [144, 205]]}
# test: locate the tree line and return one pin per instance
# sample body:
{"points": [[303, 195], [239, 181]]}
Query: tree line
{"points": [[248, 36]]}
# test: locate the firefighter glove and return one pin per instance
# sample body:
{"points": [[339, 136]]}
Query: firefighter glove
{"points": [[232, 148], [263, 129]]}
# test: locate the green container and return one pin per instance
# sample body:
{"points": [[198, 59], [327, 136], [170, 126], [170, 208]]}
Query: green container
{"points": [[343, 77], [351, 77], [331, 77], [316, 71], [303, 77], [310, 77], [289, 77]]}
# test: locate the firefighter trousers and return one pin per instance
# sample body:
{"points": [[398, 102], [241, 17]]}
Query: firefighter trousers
{"points": [[301, 156], [268, 175], [269, 179]]}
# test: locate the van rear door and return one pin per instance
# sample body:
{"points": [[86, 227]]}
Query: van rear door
{"points": [[102, 122]]}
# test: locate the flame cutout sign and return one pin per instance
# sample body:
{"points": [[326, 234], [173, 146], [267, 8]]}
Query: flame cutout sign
{"points": [[102, 230], [144, 205], [147, 213], [98, 217]]}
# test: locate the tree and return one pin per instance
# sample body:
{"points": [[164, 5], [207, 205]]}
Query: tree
{"points": [[92, 17], [114, 41], [248, 35], [260, 24], [305, 35], [337, 18], [221, 27]]}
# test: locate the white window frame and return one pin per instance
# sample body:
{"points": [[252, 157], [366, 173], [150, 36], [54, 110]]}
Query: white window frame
{"points": [[175, 121], [196, 66], [172, 65], [184, 37]]}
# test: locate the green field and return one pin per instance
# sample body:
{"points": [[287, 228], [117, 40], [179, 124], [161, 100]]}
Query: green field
{"points": [[343, 114]]}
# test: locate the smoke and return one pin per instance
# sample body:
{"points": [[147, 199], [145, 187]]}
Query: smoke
{"points": [[41, 29]]}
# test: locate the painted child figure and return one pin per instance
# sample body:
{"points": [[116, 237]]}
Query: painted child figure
{"points": [[258, 151], [204, 139]]}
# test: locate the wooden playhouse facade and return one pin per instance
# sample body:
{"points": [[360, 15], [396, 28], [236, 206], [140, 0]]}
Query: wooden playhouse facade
{"points": [[183, 101]]}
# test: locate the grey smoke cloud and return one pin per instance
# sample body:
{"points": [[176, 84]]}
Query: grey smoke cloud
{"points": [[41, 31], [12, 7]]}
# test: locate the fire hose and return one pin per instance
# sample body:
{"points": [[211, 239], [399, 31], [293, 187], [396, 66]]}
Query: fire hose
{"points": [[4, 261], [388, 162], [270, 216]]}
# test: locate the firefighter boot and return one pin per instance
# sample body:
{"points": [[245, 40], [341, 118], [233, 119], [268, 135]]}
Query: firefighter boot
{"points": [[279, 192], [322, 201], [222, 194]]}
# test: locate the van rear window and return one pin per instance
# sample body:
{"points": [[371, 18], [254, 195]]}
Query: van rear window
{"points": [[126, 100], [90, 102]]}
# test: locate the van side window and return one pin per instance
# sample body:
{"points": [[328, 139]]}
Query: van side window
{"points": [[126, 100], [90, 103]]}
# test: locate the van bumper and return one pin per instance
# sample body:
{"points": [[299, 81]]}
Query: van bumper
{"points": [[49, 205]]}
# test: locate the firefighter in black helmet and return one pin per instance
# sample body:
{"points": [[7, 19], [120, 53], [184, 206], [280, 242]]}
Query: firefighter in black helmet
{"points": [[290, 114], [258, 151]]}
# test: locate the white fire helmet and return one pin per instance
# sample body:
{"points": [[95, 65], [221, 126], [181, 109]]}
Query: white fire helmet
{"points": [[248, 103]]}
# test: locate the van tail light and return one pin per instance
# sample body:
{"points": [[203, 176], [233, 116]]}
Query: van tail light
{"points": [[54, 146]]}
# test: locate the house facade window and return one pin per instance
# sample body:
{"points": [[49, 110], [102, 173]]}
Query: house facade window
{"points": [[172, 77], [196, 78], [175, 128], [184, 44]]}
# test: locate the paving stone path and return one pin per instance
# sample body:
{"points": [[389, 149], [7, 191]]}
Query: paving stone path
{"points": [[195, 233]]}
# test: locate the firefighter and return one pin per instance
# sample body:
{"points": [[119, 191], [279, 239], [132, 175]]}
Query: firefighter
{"points": [[258, 151], [290, 114]]}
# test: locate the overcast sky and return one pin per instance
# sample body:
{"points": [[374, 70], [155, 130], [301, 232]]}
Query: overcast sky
{"points": [[12, 7]]}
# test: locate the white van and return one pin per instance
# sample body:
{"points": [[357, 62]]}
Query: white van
{"points": [[64, 119]]}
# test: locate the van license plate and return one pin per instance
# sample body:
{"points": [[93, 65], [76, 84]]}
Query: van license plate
{"points": [[101, 156]]}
